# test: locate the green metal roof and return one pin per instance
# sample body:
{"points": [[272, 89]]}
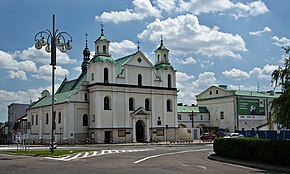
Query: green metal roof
{"points": [[103, 59], [163, 66], [72, 84], [102, 37], [59, 98], [121, 61], [256, 94], [194, 109]]}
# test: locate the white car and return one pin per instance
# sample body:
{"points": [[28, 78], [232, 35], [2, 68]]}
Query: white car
{"points": [[234, 135]]}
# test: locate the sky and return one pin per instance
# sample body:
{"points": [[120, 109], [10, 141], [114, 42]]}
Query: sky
{"points": [[231, 42]]}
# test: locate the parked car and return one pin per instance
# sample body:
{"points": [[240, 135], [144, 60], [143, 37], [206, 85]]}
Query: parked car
{"points": [[208, 136], [220, 134], [234, 135]]}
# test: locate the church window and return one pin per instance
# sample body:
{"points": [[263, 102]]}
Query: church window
{"points": [[210, 92], [131, 104], [85, 120], [201, 118], [32, 119], [93, 118], [147, 104], [222, 114], [169, 105], [139, 80], [46, 118], [106, 103], [216, 91], [104, 49], [92, 76], [59, 117], [158, 57], [86, 96], [169, 80], [106, 75], [36, 119], [97, 49], [179, 117], [164, 56]]}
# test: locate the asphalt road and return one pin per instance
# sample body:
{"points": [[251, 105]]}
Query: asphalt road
{"points": [[161, 159]]}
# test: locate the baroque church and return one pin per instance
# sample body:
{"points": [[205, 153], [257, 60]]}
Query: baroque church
{"points": [[120, 100]]}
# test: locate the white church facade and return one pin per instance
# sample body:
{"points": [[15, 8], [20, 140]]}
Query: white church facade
{"points": [[120, 100]]}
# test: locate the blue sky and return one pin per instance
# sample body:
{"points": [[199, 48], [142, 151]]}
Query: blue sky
{"points": [[211, 42]]}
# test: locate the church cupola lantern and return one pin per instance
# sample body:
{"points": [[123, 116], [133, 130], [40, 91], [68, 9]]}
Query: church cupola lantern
{"points": [[86, 57], [161, 54], [102, 44]]}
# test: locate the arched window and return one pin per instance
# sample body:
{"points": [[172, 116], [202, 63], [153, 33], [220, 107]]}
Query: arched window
{"points": [[131, 104], [97, 49], [106, 103], [36, 119], [93, 118], [147, 104], [158, 57], [106, 75], [104, 49], [59, 117], [92, 76], [46, 118], [85, 120], [169, 105], [164, 57], [139, 80], [32, 119], [169, 80]]}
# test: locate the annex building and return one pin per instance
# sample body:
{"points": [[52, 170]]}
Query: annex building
{"points": [[236, 110], [128, 99]]}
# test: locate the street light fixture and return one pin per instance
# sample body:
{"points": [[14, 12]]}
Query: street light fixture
{"points": [[57, 39]]}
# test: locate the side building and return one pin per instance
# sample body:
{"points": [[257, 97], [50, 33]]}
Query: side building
{"points": [[112, 101], [232, 110]]}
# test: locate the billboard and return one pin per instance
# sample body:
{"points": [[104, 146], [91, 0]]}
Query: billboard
{"points": [[249, 108]]}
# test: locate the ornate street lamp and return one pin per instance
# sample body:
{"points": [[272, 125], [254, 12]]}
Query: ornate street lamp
{"points": [[57, 39]]}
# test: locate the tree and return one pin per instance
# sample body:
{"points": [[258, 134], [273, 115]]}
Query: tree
{"points": [[281, 105]]}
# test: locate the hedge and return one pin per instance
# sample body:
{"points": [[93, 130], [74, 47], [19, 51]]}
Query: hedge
{"points": [[261, 150]]}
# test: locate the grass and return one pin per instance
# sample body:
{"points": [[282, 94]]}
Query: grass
{"points": [[44, 152]]}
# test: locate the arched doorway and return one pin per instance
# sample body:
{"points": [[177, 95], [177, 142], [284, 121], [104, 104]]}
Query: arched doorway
{"points": [[140, 131]]}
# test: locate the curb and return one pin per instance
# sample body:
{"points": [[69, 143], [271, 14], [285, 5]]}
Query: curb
{"points": [[252, 164]]}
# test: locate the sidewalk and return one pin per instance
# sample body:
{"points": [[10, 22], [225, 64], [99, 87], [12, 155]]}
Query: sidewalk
{"points": [[252, 164]]}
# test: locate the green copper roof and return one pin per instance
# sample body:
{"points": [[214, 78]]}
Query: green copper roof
{"points": [[103, 59], [59, 98], [121, 61], [72, 84], [256, 94], [163, 66], [194, 109], [102, 37]]}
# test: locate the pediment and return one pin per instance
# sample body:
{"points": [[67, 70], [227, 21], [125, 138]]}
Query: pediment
{"points": [[140, 59], [140, 111]]}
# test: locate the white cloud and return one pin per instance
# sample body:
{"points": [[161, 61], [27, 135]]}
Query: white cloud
{"points": [[197, 7], [186, 35], [8, 61], [181, 77], [250, 9], [205, 80], [17, 75], [260, 73], [166, 5], [189, 60], [236, 74], [281, 42], [263, 73], [206, 63], [122, 48], [44, 72], [43, 57], [259, 33], [141, 9], [237, 10], [186, 92]]}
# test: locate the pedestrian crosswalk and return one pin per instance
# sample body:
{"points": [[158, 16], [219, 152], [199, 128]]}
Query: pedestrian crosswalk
{"points": [[93, 153]]}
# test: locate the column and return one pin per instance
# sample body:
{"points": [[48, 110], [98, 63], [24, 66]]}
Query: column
{"points": [[147, 129], [134, 131]]}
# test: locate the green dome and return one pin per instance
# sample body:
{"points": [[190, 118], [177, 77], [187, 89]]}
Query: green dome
{"points": [[103, 59], [163, 66]]}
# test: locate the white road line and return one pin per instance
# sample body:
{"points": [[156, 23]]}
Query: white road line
{"points": [[171, 153], [185, 165], [74, 157], [201, 167], [95, 153], [85, 155]]}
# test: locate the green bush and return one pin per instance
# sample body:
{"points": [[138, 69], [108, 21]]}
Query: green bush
{"points": [[262, 150]]}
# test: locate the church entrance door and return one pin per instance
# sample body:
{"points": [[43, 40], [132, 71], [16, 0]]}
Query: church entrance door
{"points": [[140, 131], [108, 137]]}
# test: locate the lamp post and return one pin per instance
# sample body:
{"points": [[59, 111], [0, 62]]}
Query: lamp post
{"points": [[57, 39]]}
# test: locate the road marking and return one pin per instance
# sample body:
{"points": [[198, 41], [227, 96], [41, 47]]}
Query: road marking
{"points": [[95, 153], [183, 164], [171, 153], [201, 167]]}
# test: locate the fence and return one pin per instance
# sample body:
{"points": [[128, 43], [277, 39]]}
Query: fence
{"points": [[281, 134]]}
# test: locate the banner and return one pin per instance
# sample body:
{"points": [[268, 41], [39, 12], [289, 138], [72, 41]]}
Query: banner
{"points": [[251, 107]]}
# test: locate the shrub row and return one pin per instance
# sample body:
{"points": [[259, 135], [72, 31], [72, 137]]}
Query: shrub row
{"points": [[262, 150]]}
